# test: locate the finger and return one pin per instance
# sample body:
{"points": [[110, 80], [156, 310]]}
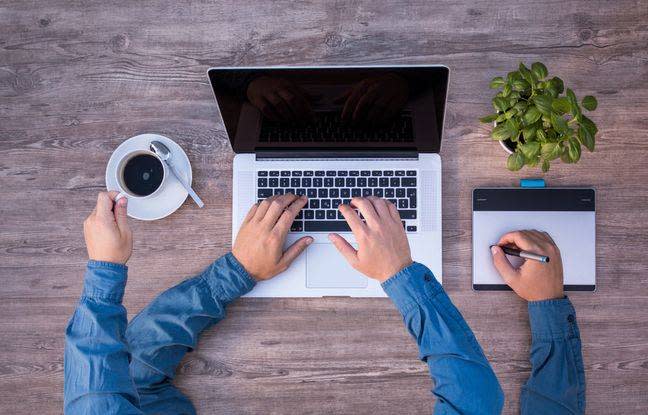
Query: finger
{"points": [[348, 252], [121, 217], [297, 103], [104, 204], [251, 213], [394, 212], [366, 208], [381, 207], [288, 216], [352, 218], [352, 101], [504, 267], [342, 97], [263, 208], [520, 239], [281, 107], [546, 234], [276, 209], [268, 110], [295, 250], [364, 104]]}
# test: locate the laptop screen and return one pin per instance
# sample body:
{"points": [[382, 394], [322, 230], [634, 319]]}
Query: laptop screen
{"points": [[332, 108]]}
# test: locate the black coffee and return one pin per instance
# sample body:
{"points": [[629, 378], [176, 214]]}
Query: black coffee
{"points": [[143, 174]]}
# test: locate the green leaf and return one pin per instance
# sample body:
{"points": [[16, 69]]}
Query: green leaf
{"points": [[589, 125], [559, 123], [529, 133], [514, 76], [531, 115], [527, 74], [564, 155], [574, 149], [489, 118], [545, 166], [558, 84], [539, 70], [589, 103], [500, 118], [500, 104], [520, 85], [506, 90], [586, 138], [541, 135], [551, 151], [515, 161], [521, 106], [561, 105], [530, 150], [543, 103], [513, 127], [497, 82], [573, 103], [501, 132]]}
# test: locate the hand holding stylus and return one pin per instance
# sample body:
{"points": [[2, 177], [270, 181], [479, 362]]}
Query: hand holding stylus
{"points": [[534, 280]]}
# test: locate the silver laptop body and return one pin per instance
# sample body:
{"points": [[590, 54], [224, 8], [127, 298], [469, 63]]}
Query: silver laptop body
{"points": [[391, 153]]}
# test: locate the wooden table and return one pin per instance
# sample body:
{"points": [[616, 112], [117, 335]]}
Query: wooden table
{"points": [[77, 78]]}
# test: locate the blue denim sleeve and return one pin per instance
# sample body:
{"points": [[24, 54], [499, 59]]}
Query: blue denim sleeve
{"points": [[96, 358], [163, 332], [464, 382], [557, 381]]}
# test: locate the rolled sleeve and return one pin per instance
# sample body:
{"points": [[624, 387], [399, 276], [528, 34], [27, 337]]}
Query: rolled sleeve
{"points": [[105, 281], [553, 319], [411, 285], [227, 279]]}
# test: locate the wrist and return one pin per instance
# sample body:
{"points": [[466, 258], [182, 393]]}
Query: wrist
{"points": [[395, 270]]}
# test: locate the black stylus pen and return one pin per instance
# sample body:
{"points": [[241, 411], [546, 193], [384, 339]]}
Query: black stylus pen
{"points": [[523, 254]]}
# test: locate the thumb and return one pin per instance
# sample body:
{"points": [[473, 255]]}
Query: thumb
{"points": [[503, 266], [120, 214], [295, 250], [348, 252]]}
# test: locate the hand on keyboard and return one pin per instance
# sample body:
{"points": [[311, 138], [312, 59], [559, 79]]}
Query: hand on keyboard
{"points": [[383, 249], [259, 243], [279, 99]]}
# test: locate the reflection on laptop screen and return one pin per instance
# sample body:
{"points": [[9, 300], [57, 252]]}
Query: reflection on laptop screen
{"points": [[332, 108]]}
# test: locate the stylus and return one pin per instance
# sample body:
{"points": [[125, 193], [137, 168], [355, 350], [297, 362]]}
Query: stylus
{"points": [[524, 254]]}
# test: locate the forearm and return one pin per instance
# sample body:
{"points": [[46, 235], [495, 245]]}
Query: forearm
{"points": [[557, 381], [96, 357], [464, 381], [161, 334]]}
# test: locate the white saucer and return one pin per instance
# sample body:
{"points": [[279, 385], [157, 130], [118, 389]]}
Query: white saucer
{"points": [[170, 196]]}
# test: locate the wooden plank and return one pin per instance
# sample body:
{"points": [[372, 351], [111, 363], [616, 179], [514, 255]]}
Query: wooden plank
{"points": [[76, 79]]}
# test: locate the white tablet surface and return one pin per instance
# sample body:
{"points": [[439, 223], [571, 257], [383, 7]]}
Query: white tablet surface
{"points": [[568, 215]]}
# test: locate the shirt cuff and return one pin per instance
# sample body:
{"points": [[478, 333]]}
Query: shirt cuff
{"points": [[411, 285], [227, 279], [105, 281], [552, 319]]}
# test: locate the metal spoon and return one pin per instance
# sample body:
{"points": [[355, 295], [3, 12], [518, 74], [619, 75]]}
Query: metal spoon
{"points": [[165, 154]]}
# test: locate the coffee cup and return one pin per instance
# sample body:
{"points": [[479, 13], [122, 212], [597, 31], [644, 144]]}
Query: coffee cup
{"points": [[140, 174]]}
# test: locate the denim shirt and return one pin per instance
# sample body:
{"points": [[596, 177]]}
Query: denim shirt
{"points": [[115, 367]]}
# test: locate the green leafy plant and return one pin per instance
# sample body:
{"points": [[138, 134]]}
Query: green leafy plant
{"points": [[537, 121]]}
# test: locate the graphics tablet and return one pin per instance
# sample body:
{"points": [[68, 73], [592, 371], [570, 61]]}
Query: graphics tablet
{"points": [[567, 214]]}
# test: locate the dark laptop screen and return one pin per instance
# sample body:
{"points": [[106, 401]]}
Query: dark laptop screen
{"points": [[334, 108]]}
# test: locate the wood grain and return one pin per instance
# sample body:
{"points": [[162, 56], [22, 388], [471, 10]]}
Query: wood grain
{"points": [[77, 78]]}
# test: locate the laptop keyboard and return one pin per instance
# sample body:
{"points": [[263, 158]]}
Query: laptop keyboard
{"points": [[328, 127], [327, 189]]}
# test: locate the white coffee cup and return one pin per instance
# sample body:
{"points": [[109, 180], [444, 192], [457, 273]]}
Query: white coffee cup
{"points": [[140, 179]]}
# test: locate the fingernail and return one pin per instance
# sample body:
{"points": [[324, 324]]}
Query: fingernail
{"points": [[494, 249], [309, 241]]}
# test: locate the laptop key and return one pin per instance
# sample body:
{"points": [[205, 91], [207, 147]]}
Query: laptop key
{"points": [[297, 226], [345, 192], [328, 182], [334, 193], [306, 182], [365, 173], [262, 173], [262, 183], [412, 202], [356, 192], [278, 191], [366, 192], [284, 182], [330, 214], [400, 173], [327, 226], [354, 173], [322, 193], [389, 192], [411, 192], [285, 173], [411, 228], [373, 182], [378, 192], [394, 182], [319, 214], [311, 193], [330, 173], [296, 174], [335, 203], [317, 182], [274, 173], [274, 182], [389, 173], [263, 193], [325, 203], [309, 214], [319, 173], [407, 214], [411, 173], [400, 192], [300, 192], [376, 173], [339, 182], [408, 182], [308, 173], [402, 203], [314, 203]]}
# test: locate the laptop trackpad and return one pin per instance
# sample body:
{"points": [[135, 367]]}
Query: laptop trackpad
{"points": [[327, 268]]}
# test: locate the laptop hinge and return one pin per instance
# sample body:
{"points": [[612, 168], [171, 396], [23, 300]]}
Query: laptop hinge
{"points": [[323, 155]]}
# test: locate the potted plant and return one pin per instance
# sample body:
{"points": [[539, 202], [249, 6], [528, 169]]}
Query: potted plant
{"points": [[535, 122]]}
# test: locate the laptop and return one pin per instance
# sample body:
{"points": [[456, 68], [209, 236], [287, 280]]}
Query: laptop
{"points": [[334, 133]]}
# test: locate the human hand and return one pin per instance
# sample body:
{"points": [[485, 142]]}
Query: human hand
{"points": [[279, 99], [533, 281], [259, 243], [107, 234], [374, 100], [383, 249]]}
